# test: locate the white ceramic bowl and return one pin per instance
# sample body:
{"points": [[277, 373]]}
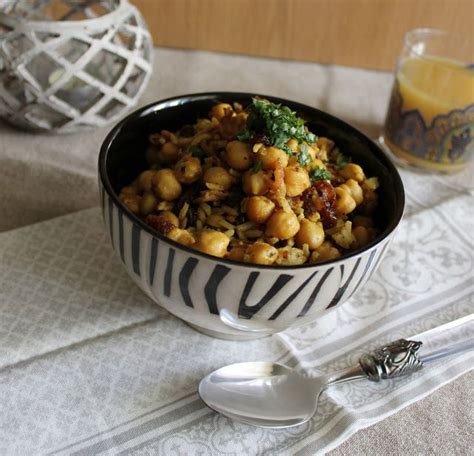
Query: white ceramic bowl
{"points": [[224, 298]]}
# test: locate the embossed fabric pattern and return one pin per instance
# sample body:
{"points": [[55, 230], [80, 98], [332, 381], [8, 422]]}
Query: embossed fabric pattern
{"points": [[90, 365]]}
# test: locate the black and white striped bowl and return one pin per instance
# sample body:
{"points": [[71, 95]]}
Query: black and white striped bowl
{"points": [[219, 297]]}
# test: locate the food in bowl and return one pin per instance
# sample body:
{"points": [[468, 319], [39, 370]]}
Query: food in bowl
{"points": [[254, 185], [225, 298]]}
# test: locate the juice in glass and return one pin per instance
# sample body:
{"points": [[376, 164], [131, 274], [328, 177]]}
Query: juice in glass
{"points": [[430, 119]]}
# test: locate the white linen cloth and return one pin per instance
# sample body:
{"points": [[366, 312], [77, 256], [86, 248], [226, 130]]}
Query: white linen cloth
{"points": [[88, 364]]}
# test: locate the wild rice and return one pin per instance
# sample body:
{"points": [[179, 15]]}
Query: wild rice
{"points": [[246, 226], [226, 224], [251, 234], [230, 210], [201, 214], [212, 186], [206, 208], [241, 235], [215, 220], [183, 212]]}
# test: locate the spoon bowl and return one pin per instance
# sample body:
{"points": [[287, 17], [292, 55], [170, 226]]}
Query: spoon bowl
{"points": [[262, 393]]}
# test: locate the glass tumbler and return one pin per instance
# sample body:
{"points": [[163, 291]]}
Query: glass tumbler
{"points": [[430, 119]]}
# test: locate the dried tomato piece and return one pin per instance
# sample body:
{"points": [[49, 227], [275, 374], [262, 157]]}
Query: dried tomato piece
{"points": [[160, 223], [321, 197]]}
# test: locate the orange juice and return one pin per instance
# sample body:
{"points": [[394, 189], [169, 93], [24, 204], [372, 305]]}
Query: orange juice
{"points": [[430, 121]]}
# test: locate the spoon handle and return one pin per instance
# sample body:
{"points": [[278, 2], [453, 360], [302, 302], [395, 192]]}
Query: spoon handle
{"points": [[401, 357]]}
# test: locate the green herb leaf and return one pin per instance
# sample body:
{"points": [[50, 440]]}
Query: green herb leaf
{"points": [[318, 173], [277, 123], [257, 167], [303, 157], [196, 151]]}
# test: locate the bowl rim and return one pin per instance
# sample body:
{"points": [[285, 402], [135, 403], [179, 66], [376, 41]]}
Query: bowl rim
{"points": [[184, 99]]}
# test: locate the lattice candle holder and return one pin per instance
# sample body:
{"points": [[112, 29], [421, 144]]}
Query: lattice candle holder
{"points": [[68, 64]]}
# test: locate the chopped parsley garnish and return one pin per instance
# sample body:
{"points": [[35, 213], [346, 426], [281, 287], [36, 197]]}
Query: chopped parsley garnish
{"points": [[303, 158], [257, 167], [197, 152], [318, 173], [277, 124]]}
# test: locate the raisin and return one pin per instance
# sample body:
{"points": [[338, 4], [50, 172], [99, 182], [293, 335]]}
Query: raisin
{"points": [[321, 197]]}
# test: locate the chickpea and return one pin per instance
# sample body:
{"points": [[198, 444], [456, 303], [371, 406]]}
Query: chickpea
{"points": [[212, 242], [317, 163], [311, 152], [215, 220], [325, 145], [165, 185], [168, 215], [354, 189], [145, 180], [238, 155], [255, 183], [282, 225], [132, 202], [221, 110], [168, 152], [271, 155], [326, 251], [188, 169], [344, 201], [295, 159], [219, 176], [353, 171], [182, 236], [237, 253], [310, 233], [296, 180], [148, 203], [362, 236], [259, 209], [293, 145], [261, 253]]}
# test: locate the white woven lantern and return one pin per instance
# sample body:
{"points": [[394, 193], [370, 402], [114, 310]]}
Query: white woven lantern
{"points": [[83, 70]]}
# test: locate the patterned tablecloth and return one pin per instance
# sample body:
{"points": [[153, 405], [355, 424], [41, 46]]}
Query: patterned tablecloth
{"points": [[89, 364]]}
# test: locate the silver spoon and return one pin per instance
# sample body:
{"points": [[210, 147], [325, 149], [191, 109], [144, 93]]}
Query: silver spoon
{"points": [[271, 395]]}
